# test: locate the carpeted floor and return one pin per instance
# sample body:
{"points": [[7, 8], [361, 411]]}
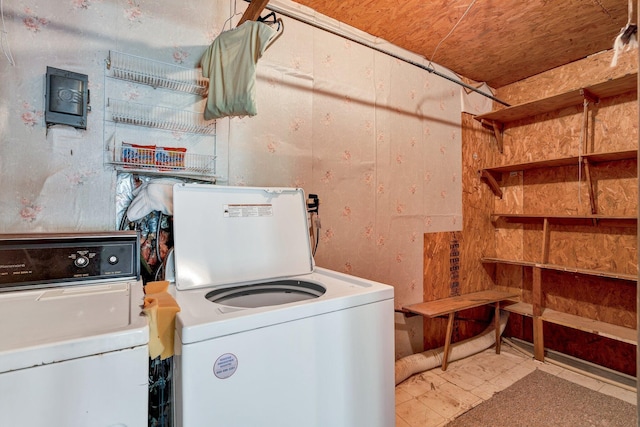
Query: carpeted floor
{"points": [[542, 400]]}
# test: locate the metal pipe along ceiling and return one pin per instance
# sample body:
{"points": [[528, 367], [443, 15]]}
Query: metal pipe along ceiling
{"points": [[393, 55]]}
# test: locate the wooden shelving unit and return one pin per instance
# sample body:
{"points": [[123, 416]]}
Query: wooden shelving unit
{"points": [[497, 119], [493, 177], [615, 332], [562, 268], [606, 89], [594, 220]]}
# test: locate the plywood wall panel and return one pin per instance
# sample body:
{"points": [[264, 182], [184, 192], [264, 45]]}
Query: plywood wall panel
{"points": [[616, 187], [603, 351], [589, 71], [565, 190], [436, 274], [613, 124], [608, 300], [550, 135], [611, 249], [511, 200]]}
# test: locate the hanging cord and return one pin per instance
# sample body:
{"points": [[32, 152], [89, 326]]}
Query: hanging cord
{"points": [[4, 40], [451, 31]]}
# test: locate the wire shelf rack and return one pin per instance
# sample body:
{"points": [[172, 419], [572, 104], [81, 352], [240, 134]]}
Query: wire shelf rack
{"points": [[156, 74], [159, 117], [163, 160]]}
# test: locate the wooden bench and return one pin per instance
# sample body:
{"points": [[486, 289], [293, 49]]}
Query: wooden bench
{"points": [[449, 306]]}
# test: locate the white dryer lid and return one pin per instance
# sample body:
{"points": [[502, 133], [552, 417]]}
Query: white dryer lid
{"points": [[43, 326], [226, 235]]}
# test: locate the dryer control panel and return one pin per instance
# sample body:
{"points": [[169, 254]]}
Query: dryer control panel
{"points": [[31, 261]]}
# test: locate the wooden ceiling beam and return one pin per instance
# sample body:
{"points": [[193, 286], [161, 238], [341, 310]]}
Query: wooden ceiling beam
{"points": [[253, 11]]}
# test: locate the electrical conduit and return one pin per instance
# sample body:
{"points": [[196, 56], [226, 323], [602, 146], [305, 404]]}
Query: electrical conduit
{"points": [[420, 362]]}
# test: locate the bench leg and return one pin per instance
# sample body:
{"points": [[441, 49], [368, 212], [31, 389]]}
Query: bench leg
{"points": [[447, 342], [496, 325]]}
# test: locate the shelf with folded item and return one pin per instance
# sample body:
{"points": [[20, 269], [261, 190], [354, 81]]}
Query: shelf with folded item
{"points": [[153, 116], [156, 73], [162, 160]]}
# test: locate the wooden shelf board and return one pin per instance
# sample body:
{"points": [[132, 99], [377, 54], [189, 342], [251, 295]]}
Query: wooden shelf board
{"points": [[563, 268], [521, 308], [628, 221], [566, 161], [457, 303], [619, 333], [606, 89], [604, 329], [488, 260]]}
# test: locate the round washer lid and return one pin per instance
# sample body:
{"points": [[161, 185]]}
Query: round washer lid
{"points": [[236, 235]]}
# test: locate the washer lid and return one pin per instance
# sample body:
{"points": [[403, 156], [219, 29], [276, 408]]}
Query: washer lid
{"points": [[237, 235]]}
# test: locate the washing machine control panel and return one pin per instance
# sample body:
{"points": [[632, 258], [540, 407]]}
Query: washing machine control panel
{"points": [[48, 260]]}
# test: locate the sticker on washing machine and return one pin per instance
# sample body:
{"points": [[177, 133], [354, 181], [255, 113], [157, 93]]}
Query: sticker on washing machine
{"points": [[248, 211], [225, 366]]}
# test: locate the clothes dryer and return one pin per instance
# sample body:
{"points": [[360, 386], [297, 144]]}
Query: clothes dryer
{"points": [[73, 345]]}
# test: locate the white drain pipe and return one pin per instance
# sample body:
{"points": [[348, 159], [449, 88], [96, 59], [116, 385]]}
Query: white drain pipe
{"points": [[429, 359]]}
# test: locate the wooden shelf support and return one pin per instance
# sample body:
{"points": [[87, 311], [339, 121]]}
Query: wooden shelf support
{"points": [[546, 230], [589, 96], [498, 131], [491, 182], [592, 194]]}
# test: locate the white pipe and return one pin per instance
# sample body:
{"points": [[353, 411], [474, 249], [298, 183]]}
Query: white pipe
{"points": [[429, 359]]}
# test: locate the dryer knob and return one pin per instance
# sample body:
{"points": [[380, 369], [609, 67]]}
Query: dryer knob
{"points": [[113, 259], [81, 261]]}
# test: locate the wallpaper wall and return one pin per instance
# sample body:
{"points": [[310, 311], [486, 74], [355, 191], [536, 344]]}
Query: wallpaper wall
{"points": [[376, 138]]}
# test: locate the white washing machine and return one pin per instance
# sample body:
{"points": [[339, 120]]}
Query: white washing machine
{"points": [[263, 338], [73, 345]]}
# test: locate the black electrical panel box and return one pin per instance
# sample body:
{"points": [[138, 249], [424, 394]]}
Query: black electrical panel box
{"points": [[67, 98]]}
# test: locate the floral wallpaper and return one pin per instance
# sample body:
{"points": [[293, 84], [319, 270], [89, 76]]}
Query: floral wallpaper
{"points": [[376, 138]]}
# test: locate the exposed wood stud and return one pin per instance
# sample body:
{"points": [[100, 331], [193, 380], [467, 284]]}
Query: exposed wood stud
{"points": [[496, 325], [538, 302], [537, 291], [538, 338], [253, 11], [447, 343], [545, 240]]}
